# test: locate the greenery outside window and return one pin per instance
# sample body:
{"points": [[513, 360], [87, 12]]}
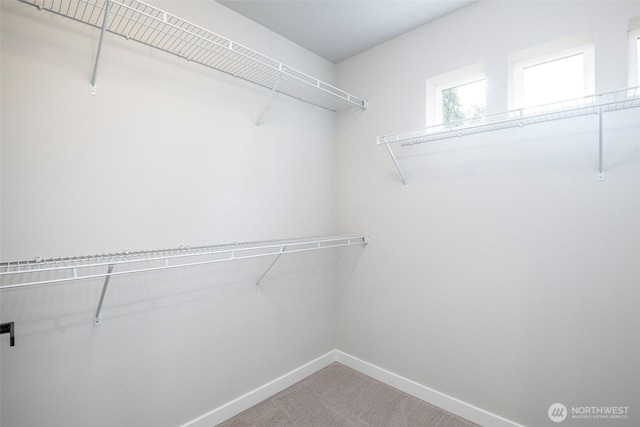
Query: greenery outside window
{"points": [[465, 101], [456, 96]]}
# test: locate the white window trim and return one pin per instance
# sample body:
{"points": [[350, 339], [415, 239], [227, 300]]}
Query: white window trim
{"points": [[589, 70], [634, 36], [435, 86]]}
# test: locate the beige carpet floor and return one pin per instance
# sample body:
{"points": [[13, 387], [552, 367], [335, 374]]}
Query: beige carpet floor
{"points": [[338, 396]]}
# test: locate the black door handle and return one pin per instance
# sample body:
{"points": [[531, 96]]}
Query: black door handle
{"points": [[7, 328]]}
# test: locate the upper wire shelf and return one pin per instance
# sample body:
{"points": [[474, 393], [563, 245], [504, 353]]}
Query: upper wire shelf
{"points": [[146, 24], [610, 101], [42, 271], [588, 105]]}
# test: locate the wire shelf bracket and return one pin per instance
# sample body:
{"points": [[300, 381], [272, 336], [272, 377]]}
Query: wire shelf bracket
{"points": [[589, 105], [96, 318], [47, 271], [156, 28], [266, 105], [94, 76], [395, 162], [282, 249], [600, 147]]}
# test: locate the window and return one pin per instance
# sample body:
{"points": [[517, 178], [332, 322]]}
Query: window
{"points": [[464, 101], [556, 71], [634, 58], [554, 80], [456, 96]]}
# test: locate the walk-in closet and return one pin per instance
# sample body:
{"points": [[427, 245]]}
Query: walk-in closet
{"points": [[364, 213]]}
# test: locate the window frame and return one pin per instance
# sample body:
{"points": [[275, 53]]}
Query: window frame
{"points": [[587, 50]]}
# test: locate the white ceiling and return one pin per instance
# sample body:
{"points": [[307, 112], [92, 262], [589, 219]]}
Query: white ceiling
{"points": [[340, 29]]}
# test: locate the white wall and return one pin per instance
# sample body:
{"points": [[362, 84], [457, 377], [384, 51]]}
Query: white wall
{"points": [[505, 276], [166, 154], [180, 140]]}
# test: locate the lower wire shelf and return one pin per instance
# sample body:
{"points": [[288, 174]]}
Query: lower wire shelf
{"points": [[47, 271]]}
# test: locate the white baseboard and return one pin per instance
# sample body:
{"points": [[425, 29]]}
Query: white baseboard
{"points": [[448, 403], [261, 393]]}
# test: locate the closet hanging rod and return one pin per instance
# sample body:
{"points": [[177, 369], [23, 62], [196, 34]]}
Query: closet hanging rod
{"points": [[19, 273], [154, 27]]}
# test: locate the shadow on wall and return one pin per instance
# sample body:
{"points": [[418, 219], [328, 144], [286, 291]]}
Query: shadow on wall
{"points": [[39, 310], [548, 147]]}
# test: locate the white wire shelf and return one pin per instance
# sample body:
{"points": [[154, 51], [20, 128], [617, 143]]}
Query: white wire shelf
{"points": [[589, 105], [44, 271], [146, 24], [47, 271]]}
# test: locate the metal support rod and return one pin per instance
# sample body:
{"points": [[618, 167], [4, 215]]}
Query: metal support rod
{"points": [[96, 318], [92, 85], [273, 90], [404, 180], [284, 248], [8, 328], [600, 154]]}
